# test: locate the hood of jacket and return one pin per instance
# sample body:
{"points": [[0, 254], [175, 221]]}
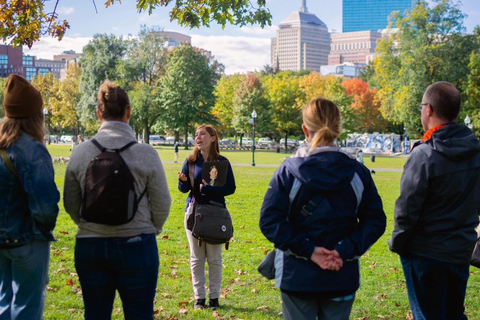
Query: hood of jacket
{"points": [[323, 169], [455, 141]]}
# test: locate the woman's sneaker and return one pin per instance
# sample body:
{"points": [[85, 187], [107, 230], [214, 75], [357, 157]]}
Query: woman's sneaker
{"points": [[199, 304], [213, 304]]}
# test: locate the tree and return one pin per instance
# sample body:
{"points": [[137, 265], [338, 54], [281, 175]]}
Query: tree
{"points": [[139, 72], [102, 56], [283, 92], [364, 105], [224, 94], [187, 89], [64, 105], [24, 22], [472, 91], [48, 86], [428, 46], [250, 96], [3, 83]]}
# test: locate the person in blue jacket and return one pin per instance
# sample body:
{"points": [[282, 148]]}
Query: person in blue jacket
{"points": [[28, 201], [319, 245], [206, 149]]}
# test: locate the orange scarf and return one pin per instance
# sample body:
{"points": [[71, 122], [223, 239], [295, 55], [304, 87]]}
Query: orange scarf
{"points": [[429, 133]]}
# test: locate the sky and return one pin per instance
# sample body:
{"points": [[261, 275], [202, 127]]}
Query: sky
{"points": [[240, 49]]}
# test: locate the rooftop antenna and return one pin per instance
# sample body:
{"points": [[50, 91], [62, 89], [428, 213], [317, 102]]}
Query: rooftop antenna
{"points": [[304, 6]]}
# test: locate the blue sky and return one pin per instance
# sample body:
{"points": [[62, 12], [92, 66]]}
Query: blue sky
{"points": [[239, 49]]}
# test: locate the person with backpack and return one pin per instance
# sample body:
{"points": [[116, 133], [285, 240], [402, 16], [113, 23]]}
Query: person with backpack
{"points": [[116, 192], [28, 201], [206, 149], [322, 211]]}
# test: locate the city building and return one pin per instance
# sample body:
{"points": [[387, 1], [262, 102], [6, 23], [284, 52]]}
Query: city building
{"points": [[362, 15], [175, 38], [302, 42], [356, 47], [347, 70], [53, 66], [10, 61]]}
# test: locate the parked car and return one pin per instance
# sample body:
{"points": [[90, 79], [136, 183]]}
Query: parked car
{"points": [[266, 143], [66, 139], [157, 140], [245, 142], [291, 143], [170, 140], [226, 143]]}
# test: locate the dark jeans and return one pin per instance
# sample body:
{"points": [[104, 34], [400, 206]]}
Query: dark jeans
{"points": [[436, 289], [129, 265]]}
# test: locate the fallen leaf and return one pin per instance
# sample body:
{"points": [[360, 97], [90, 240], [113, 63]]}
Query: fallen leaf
{"points": [[165, 237], [70, 282], [242, 227], [263, 308], [183, 311], [64, 232], [255, 291], [183, 303], [72, 310]]}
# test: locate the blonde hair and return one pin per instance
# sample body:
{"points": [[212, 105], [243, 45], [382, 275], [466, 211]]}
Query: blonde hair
{"points": [[112, 101], [11, 129], [321, 117], [214, 153]]}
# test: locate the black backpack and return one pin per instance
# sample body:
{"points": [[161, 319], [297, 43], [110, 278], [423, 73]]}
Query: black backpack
{"points": [[109, 197]]}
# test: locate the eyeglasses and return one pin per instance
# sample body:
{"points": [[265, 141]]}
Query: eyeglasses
{"points": [[420, 106]]}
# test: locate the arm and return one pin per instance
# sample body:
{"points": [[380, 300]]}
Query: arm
{"points": [[409, 206], [72, 192], [158, 194], [227, 189], [38, 181], [184, 186], [274, 222], [371, 223]]}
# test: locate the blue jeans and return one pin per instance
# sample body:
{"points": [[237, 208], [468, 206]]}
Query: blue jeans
{"points": [[23, 277], [296, 308], [129, 265], [436, 289]]}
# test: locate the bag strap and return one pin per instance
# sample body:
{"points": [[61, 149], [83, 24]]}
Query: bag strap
{"points": [[102, 148], [9, 163]]}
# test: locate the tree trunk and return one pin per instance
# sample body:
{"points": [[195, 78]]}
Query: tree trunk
{"points": [[146, 132]]}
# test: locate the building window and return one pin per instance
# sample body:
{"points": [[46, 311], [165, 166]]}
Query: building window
{"points": [[3, 59]]}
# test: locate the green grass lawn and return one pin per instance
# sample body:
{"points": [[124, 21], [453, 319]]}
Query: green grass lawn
{"points": [[245, 294]]}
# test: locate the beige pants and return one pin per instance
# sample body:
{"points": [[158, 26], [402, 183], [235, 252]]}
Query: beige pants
{"points": [[211, 253]]}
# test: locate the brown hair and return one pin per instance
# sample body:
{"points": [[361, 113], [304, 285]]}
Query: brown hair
{"points": [[214, 153], [11, 129], [444, 99], [321, 117], [112, 101]]}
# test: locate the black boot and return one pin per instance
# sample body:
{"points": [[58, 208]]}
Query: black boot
{"points": [[213, 304], [199, 304]]}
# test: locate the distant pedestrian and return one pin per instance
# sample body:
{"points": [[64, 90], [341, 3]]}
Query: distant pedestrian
{"points": [[28, 201], [437, 211], [176, 152]]}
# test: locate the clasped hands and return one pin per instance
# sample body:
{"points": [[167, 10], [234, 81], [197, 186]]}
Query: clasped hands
{"points": [[327, 259]]}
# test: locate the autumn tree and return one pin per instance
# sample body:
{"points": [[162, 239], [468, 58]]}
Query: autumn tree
{"points": [[282, 90], [3, 83], [187, 89], [224, 93], [24, 22], [48, 86], [428, 45], [250, 96], [364, 105], [472, 90], [102, 56]]}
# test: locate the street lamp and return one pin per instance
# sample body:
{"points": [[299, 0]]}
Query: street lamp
{"points": [[468, 122], [45, 113], [254, 115]]}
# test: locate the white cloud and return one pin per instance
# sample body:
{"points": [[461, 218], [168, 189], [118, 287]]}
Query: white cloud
{"points": [[65, 10], [46, 48], [238, 54], [269, 31]]}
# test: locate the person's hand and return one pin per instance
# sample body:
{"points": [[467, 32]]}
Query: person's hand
{"points": [[182, 176], [326, 259], [202, 184]]}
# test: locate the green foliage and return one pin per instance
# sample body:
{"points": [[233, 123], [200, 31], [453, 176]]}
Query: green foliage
{"points": [[102, 56], [187, 89], [428, 45], [24, 22], [3, 83], [472, 88], [224, 95]]}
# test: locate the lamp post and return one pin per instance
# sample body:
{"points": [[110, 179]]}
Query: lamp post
{"points": [[45, 113], [254, 115], [468, 122]]}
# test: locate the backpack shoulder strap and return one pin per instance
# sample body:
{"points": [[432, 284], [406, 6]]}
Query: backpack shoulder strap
{"points": [[128, 145], [7, 161], [191, 171], [98, 145]]}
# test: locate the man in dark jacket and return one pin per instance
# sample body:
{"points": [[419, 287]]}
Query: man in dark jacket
{"points": [[437, 211]]}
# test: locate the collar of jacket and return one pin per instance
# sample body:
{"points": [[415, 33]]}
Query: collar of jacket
{"points": [[430, 132]]}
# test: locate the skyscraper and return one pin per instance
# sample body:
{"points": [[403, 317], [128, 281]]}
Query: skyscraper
{"points": [[363, 15], [302, 42]]}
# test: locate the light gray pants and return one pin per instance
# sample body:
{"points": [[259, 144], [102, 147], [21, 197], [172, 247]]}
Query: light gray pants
{"points": [[212, 253], [295, 308]]}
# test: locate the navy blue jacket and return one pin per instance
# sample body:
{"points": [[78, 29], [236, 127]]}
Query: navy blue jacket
{"points": [[209, 193], [347, 226], [437, 211]]}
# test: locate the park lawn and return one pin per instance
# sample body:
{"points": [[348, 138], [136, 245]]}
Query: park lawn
{"points": [[245, 294]]}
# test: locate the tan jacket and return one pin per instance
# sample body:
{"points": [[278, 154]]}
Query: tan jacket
{"points": [[147, 169]]}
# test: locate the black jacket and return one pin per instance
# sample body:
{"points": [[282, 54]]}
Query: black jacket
{"points": [[437, 211], [340, 226]]}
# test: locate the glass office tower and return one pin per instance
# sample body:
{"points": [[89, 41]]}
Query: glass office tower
{"points": [[363, 15]]}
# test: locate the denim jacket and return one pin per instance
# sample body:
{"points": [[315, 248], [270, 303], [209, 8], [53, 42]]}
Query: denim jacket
{"points": [[28, 204]]}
